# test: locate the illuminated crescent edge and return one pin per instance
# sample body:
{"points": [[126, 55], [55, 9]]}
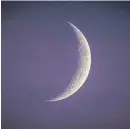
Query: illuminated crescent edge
{"points": [[82, 72]]}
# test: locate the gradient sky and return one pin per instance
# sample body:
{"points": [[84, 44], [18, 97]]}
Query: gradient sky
{"points": [[39, 57]]}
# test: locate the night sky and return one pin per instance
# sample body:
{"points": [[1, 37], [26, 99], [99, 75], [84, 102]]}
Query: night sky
{"points": [[39, 57]]}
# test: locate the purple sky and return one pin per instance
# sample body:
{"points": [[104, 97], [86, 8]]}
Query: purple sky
{"points": [[39, 57]]}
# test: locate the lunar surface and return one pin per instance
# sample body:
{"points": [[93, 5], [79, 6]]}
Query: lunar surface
{"points": [[84, 64]]}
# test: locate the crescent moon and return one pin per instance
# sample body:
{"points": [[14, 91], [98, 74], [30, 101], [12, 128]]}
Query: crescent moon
{"points": [[83, 69]]}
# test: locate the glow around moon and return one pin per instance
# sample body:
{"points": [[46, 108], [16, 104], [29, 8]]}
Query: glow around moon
{"points": [[83, 69]]}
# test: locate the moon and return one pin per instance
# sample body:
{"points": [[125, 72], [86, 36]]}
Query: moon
{"points": [[84, 64]]}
